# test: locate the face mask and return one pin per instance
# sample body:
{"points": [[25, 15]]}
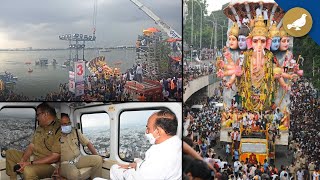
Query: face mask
{"points": [[66, 129], [150, 138]]}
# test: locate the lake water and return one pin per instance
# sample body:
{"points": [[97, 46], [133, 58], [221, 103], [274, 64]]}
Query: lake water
{"points": [[47, 79]]}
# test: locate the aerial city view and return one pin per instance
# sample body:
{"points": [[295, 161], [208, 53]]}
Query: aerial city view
{"points": [[73, 54], [132, 142], [16, 128], [251, 93]]}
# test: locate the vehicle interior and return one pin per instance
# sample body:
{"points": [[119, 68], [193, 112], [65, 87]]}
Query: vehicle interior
{"points": [[116, 130]]}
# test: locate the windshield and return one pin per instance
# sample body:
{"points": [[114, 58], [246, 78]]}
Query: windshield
{"points": [[253, 148]]}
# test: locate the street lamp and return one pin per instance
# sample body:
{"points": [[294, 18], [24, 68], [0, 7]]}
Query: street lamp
{"points": [[200, 24], [192, 22], [214, 27], [221, 34]]}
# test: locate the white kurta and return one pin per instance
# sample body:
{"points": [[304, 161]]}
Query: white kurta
{"points": [[162, 161]]}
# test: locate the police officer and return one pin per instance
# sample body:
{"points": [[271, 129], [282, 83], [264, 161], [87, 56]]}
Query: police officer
{"points": [[71, 159], [44, 148]]}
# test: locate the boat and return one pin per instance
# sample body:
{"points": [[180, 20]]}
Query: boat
{"points": [[30, 70], [63, 66], [8, 78], [42, 62]]}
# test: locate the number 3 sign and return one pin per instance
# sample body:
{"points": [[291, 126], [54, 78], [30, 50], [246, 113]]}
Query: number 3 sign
{"points": [[80, 71]]}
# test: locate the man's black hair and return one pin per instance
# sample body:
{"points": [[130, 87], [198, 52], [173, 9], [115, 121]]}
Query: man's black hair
{"points": [[64, 115], [199, 169], [188, 141], [47, 108], [167, 120]]}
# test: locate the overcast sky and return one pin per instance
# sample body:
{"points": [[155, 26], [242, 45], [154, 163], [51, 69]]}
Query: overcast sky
{"points": [[38, 23], [215, 5]]}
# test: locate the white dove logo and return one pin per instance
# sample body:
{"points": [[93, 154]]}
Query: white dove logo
{"points": [[297, 24]]}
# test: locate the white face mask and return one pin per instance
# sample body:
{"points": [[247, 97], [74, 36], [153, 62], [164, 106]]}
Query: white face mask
{"points": [[66, 129], [150, 137]]}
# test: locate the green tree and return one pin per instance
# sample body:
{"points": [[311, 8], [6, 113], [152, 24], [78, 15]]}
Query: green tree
{"points": [[164, 64], [310, 51], [207, 25]]}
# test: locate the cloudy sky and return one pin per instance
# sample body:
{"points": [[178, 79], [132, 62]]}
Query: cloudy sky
{"points": [[215, 5], [38, 23]]}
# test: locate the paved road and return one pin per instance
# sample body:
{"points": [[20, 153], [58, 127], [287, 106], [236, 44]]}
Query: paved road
{"points": [[282, 156]]}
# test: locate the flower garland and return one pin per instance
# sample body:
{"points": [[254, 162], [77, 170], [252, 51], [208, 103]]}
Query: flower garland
{"points": [[257, 98]]}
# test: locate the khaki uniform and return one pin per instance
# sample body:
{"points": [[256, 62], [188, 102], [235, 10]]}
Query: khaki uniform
{"points": [[70, 152], [292, 171], [46, 142], [311, 168]]}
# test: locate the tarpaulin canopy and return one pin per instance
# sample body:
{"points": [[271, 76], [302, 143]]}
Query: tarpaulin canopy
{"points": [[173, 39], [176, 58]]}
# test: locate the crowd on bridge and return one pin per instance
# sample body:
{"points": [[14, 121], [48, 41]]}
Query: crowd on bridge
{"points": [[193, 71]]}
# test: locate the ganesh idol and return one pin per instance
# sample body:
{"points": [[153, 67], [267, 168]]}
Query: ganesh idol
{"points": [[255, 79], [257, 84]]}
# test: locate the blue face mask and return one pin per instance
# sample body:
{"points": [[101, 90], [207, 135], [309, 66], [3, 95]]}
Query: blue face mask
{"points": [[66, 129]]}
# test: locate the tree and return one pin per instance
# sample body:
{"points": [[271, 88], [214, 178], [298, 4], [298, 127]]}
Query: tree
{"points": [[207, 26], [164, 64], [310, 51]]}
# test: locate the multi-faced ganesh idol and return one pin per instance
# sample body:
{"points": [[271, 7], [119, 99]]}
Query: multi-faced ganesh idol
{"points": [[257, 83], [258, 73]]}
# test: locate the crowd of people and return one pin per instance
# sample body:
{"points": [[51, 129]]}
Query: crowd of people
{"points": [[304, 127], [206, 160], [99, 88], [191, 72]]}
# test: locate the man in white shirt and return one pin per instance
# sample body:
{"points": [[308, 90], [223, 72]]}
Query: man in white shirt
{"points": [[265, 16], [315, 175], [300, 174], [236, 166], [163, 159], [139, 73], [258, 12], [245, 20]]}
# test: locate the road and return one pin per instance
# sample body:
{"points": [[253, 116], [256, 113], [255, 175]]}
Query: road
{"points": [[282, 156]]}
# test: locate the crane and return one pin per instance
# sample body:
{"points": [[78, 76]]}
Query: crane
{"points": [[165, 27], [94, 20]]}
